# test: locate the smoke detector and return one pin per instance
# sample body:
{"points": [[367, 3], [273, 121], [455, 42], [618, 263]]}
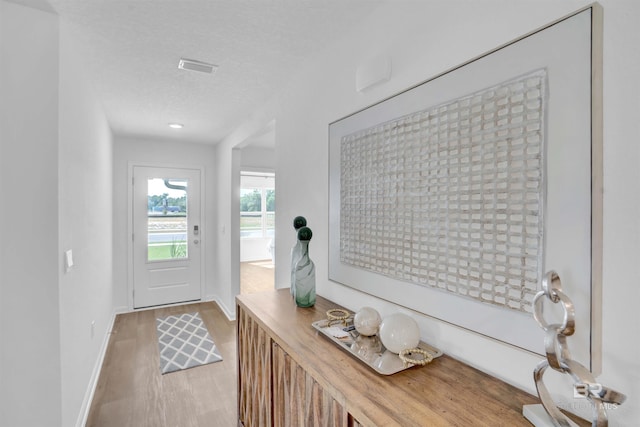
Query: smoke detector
{"points": [[199, 66]]}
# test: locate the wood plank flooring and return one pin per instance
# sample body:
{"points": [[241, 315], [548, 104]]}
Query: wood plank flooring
{"points": [[256, 276], [132, 392]]}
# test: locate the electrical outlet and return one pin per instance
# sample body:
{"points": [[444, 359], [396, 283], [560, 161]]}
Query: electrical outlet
{"points": [[93, 328]]}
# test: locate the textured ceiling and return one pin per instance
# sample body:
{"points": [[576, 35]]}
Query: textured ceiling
{"points": [[131, 50]]}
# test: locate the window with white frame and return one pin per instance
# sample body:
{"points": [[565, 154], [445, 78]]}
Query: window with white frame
{"points": [[257, 205]]}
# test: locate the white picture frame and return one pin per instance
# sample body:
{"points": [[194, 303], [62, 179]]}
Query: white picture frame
{"points": [[570, 51]]}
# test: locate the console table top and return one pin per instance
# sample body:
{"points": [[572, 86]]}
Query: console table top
{"points": [[444, 392]]}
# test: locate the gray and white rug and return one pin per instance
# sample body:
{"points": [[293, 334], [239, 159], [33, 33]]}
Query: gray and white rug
{"points": [[184, 342]]}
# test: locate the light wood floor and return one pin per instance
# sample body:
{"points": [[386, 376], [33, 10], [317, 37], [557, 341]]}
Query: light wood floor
{"points": [[132, 392], [256, 276]]}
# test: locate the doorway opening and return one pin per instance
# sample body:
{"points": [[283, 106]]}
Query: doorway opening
{"points": [[257, 231]]}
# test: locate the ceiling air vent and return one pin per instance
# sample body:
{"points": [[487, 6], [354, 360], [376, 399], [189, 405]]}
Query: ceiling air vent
{"points": [[193, 65]]}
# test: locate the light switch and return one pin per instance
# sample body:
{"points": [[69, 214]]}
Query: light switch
{"points": [[68, 260]]}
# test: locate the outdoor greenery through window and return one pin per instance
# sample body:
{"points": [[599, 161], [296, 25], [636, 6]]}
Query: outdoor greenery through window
{"points": [[167, 224], [257, 205]]}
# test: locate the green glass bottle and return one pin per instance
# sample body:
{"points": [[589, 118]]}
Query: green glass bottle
{"points": [[305, 273], [296, 252]]}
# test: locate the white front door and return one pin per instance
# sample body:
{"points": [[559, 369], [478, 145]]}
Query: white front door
{"points": [[166, 236]]}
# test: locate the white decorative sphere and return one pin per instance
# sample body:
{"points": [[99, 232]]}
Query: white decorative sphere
{"points": [[399, 332], [367, 321]]}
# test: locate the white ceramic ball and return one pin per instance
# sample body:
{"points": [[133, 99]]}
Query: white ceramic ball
{"points": [[367, 321], [399, 332]]}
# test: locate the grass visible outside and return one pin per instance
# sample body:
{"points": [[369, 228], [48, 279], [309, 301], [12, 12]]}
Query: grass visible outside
{"points": [[251, 222], [167, 251]]}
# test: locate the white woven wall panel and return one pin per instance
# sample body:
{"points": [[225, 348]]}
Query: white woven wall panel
{"points": [[451, 197]]}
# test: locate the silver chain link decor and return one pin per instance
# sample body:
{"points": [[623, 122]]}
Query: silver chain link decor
{"points": [[559, 359]]}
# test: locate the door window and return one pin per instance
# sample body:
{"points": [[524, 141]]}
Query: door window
{"points": [[167, 223]]}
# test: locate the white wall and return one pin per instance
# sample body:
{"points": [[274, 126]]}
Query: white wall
{"points": [[56, 156], [255, 249], [30, 378], [227, 261], [176, 153], [258, 159], [85, 161], [424, 39], [228, 161]]}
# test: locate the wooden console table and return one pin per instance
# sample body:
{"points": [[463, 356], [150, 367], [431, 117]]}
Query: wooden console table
{"points": [[289, 375]]}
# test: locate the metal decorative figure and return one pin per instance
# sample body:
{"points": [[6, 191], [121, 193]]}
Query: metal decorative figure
{"points": [[559, 359]]}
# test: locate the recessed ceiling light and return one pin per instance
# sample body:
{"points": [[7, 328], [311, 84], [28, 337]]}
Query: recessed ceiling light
{"points": [[176, 125], [193, 65]]}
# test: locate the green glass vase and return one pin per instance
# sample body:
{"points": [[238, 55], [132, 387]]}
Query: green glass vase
{"points": [[305, 273]]}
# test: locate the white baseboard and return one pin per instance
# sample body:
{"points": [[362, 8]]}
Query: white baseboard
{"points": [[230, 314], [95, 375], [120, 310]]}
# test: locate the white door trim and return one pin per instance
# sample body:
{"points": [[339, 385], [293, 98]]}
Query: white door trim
{"points": [[203, 225]]}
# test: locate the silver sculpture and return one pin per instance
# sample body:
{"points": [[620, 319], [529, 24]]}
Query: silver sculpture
{"points": [[559, 359]]}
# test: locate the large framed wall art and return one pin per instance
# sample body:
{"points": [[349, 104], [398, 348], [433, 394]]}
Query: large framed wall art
{"points": [[456, 196]]}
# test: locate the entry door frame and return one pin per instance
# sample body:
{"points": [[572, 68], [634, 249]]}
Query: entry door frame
{"points": [[203, 225]]}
